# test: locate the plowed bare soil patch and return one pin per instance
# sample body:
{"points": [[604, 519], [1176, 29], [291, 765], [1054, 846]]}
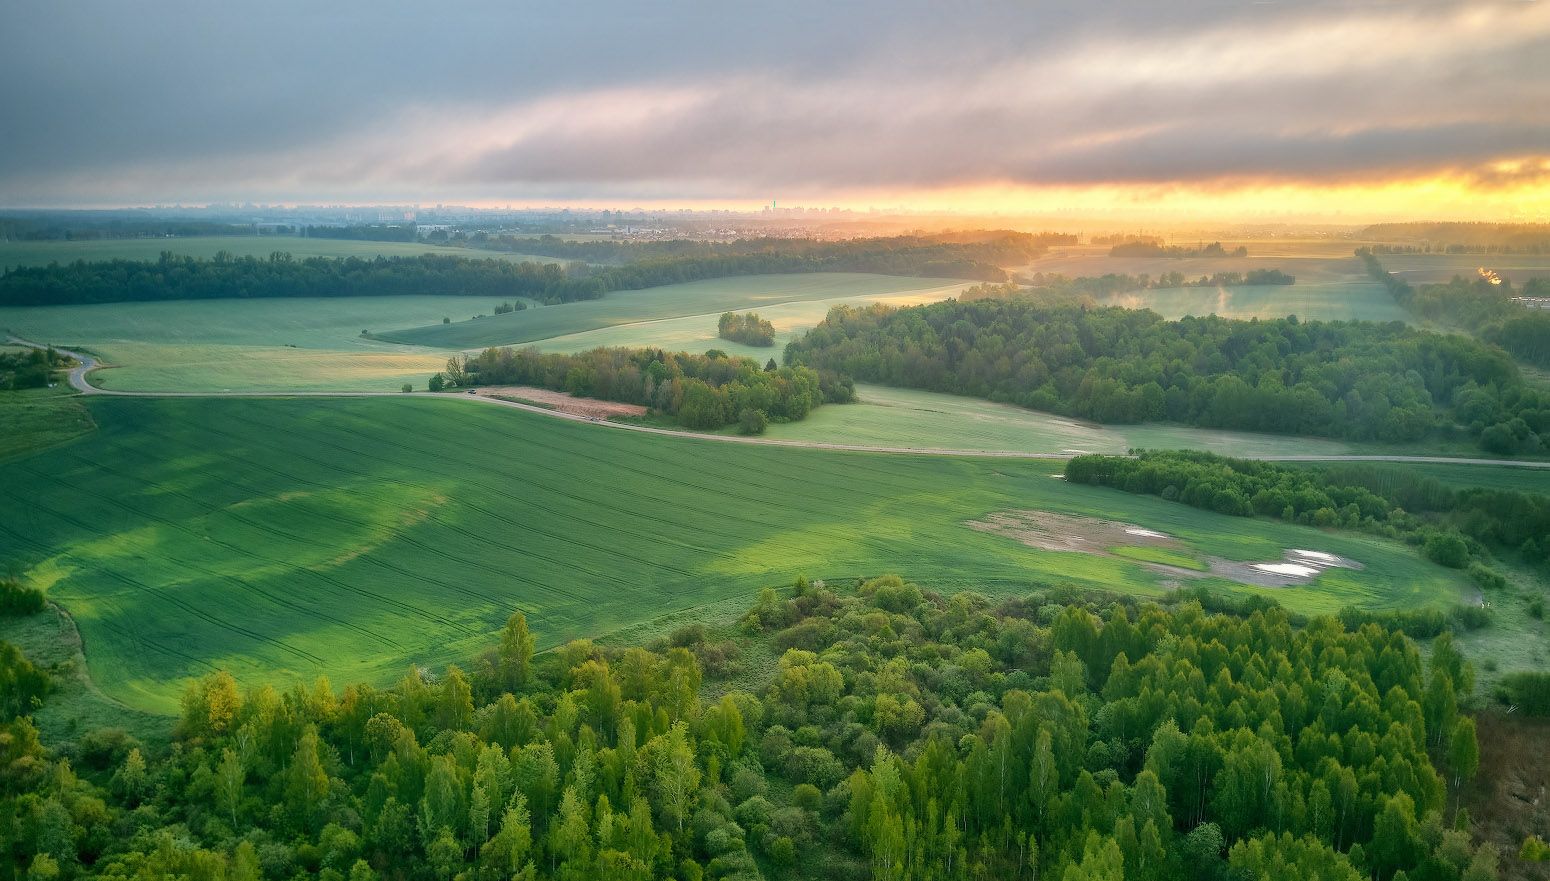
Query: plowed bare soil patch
{"points": [[565, 403]]}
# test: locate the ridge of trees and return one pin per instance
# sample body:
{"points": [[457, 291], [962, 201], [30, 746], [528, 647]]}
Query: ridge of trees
{"points": [[1461, 238], [34, 368], [699, 391], [1356, 380], [902, 734], [1492, 311], [747, 328]]}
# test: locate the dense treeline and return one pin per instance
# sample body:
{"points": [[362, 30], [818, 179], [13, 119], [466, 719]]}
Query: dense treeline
{"points": [[180, 278], [893, 255], [747, 328], [1155, 248], [186, 278], [1493, 311], [1461, 238], [372, 232], [91, 226], [1453, 527], [699, 391], [1335, 379], [901, 735], [33, 368]]}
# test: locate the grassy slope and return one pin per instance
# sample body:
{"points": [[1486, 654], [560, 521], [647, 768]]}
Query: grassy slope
{"points": [[906, 417], [708, 297], [42, 253], [247, 344], [283, 538]]}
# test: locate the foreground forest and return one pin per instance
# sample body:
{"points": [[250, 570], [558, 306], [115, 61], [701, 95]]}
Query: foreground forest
{"points": [[1354, 380], [900, 734]]}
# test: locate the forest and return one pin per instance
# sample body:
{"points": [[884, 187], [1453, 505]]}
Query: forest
{"points": [[747, 328], [186, 278], [892, 255], [1478, 306], [895, 733], [699, 391], [1458, 528], [1356, 380]]}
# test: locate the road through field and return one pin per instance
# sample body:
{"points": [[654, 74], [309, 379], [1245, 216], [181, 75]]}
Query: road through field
{"points": [[87, 364]]}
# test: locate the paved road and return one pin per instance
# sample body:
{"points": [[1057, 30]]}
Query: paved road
{"points": [[79, 381]]}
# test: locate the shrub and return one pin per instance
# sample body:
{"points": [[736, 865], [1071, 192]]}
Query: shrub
{"points": [[752, 421], [18, 599]]}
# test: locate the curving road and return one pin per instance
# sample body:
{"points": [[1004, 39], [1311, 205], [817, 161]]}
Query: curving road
{"points": [[79, 382]]}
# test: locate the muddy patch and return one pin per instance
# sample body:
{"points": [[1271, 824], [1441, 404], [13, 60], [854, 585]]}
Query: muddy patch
{"points": [[1111, 538], [563, 402]]}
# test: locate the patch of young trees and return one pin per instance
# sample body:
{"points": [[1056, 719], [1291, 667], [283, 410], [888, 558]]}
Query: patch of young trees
{"points": [[900, 735], [747, 328], [700, 391], [1353, 380]]}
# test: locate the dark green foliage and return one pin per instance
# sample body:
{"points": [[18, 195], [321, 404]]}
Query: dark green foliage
{"points": [[1355, 380], [1529, 691], [19, 599], [748, 329], [701, 391], [34, 368], [751, 421], [1114, 283], [1448, 524]]}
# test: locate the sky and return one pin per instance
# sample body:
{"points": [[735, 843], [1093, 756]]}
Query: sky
{"points": [[1191, 108]]}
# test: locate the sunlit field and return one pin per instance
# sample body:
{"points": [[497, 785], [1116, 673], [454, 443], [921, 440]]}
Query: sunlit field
{"points": [[285, 538], [22, 253]]}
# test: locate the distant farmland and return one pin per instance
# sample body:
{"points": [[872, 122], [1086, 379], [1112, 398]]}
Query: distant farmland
{"points": [[42, 253], [284, 538]]}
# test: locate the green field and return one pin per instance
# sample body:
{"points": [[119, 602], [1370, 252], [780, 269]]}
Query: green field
{"points": [[43, 253], [247, 345], [281, 538], [1332, 285], [697, 298], [33, 419], [896, 417]]}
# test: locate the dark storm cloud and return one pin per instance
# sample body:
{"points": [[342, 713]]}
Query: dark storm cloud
{"points": [[105, 102]]}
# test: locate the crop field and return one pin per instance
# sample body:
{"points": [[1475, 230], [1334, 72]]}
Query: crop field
{"points": [[698, 298], [299, 343], [1420, 268], [43, 253], [696, 333], [34, 419], [884, 416], [282, 538], [1332, 285]]}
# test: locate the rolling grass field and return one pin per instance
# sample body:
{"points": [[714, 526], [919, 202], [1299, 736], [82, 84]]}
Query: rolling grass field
{"points": [[38, 418], [884, 416], [697, 298], [247, 345], [43, 253], [282, 538]]}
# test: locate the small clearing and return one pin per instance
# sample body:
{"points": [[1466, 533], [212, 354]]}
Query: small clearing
{"points": [[562, 401], [1111, 538]]}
